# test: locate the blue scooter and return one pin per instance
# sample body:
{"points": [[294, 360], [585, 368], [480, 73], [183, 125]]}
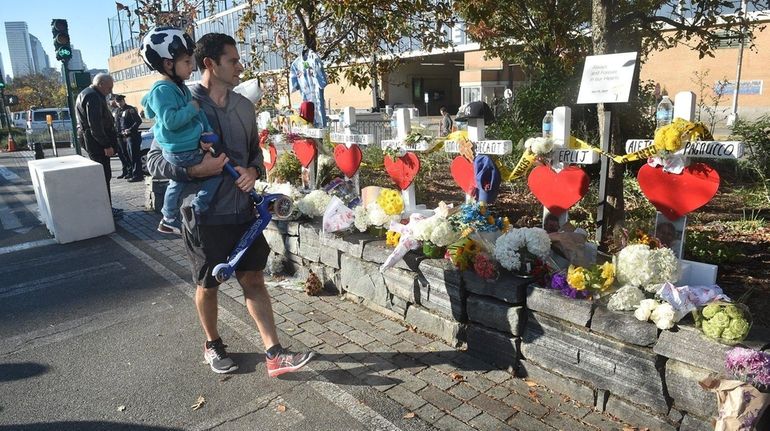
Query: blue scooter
{"points": [[268, 206]]}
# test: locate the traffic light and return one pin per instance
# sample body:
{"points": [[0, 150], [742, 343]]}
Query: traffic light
{"points": [[11, 99], [61, 39]]}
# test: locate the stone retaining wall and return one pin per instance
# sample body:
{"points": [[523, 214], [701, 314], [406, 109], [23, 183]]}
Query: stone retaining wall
{"points": [[611, 360]]}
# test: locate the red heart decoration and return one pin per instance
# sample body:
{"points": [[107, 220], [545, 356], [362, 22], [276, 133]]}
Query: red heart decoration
{"points": [[305, 151], [462, 171], [403, 170], [273, 157], [558, 191], [348, 159], [676, 195]]}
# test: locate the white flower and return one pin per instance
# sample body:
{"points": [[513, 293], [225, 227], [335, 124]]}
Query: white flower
{"points": [[361, 220], [443, 234], [314, 204], [324, 160], [539, 146], [377, 216], [663, 316], [538, 241], [625, 299], [507, 249], [646, 306], [664, 267], [640, 266]]}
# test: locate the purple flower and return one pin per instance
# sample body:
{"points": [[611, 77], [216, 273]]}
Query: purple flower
{"points": [[559, 282], [749, 365]]}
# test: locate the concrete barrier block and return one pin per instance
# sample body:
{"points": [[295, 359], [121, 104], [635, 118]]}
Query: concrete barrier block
{"points": [[72, 197]]}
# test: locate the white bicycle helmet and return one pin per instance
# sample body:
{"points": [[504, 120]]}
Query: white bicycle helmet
{"points": [[165, 43]]}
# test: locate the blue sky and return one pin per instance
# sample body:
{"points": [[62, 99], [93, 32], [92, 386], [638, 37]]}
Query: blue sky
{"points": [[87, 21]]}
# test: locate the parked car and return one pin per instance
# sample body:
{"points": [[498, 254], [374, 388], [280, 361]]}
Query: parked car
{"points": [[147, 137]]}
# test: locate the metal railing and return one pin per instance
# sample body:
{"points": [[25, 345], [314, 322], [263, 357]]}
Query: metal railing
{"points": [[379, 129], [43, 136]]}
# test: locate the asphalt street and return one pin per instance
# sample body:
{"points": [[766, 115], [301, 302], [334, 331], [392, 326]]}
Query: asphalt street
{"points": [[98, 335]]}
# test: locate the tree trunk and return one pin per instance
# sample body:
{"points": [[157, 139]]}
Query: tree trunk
{"points": [[611, 204]]}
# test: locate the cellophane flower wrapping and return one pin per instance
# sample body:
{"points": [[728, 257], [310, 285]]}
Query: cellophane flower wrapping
{"points": [[725, 322], [627, 298]]}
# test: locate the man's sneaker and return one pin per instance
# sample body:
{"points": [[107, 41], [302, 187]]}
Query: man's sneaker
{"points": [[170, 226], [215, 354], [286, 362]]}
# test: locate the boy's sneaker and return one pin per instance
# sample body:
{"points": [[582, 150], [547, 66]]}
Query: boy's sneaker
{"points": [[215, 355], [286, 362], [170, 226]]}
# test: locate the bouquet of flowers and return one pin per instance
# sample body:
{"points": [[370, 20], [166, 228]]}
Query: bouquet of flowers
{"points": [[627, 298], [741, 402], [595, 280], [559, 282], [662, 313], [639, 265], [485, 267], [473, 217], [723, 321], [518, 248], [380, 212], [749, 365], [345, 190], [314, 203], [462, 253]]}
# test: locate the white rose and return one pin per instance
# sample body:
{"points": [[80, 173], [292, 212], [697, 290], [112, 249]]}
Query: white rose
{"points": [[646, 306], [626, 298], [663, 316]]}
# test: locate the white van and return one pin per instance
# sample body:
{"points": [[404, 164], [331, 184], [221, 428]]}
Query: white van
{"points": [[37, 128], [19, 119]]}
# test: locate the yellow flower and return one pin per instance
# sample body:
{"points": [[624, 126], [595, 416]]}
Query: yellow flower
{"points": [[506, 224], [390, 201], [608, 274], [576, 277], [392, 238]]}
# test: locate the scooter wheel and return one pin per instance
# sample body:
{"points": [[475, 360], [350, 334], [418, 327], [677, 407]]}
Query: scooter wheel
{"points": [[222, 272]]}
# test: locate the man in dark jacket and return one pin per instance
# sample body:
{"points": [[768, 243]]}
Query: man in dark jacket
{"points": [[96, 126], [211, 237], [129, 129]]}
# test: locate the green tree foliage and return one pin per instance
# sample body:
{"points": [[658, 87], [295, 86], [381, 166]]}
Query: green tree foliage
{"points": [[39, 90], [365, 37]]}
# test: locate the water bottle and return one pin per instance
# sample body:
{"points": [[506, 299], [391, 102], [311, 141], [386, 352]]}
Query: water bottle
{"points": [[664, 115], [548, 125]]}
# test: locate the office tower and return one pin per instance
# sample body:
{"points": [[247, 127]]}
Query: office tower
{"points": [[19, 48]]}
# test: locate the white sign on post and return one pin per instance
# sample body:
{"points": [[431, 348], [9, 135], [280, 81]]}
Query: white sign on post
{"points": [[607, 78], [403, 128]]}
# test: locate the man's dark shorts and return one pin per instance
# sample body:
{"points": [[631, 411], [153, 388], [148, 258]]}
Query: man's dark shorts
{"points": [[209, 245]]}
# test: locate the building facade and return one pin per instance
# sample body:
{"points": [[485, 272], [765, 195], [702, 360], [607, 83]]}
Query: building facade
{"points": [[39, 57], [19, 48]]}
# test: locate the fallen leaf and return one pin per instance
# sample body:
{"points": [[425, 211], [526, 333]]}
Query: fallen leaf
{"points": [[530, 383], [457, 377], [534, 395], [290, 329], [281, 408], [198, 403], [409, 415], [121, 408], [225, 378]]}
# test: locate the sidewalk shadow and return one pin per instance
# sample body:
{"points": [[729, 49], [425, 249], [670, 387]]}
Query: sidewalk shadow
{"points": [[370, 366], [247, 362], [84, 426], [21, 370]]}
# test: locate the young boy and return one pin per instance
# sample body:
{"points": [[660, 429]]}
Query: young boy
{"points": [[181, 128]]}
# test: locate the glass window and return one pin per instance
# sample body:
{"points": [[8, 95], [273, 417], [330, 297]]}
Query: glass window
{"points": [[471, 94]]}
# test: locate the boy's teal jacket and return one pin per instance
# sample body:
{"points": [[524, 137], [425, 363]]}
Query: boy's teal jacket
{"points": [[178, 125]]}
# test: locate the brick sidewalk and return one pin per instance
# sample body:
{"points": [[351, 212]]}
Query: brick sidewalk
{"points": [[444, 386]]}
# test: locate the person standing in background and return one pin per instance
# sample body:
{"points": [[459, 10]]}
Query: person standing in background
{"points": [[129, 128], [446, 122], [96, 126]]}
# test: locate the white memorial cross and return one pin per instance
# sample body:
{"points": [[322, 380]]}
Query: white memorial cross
{"points": [[477, 134], [317, 134], [694, 273], [348, 138], [403, 128], [562, 155]]}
